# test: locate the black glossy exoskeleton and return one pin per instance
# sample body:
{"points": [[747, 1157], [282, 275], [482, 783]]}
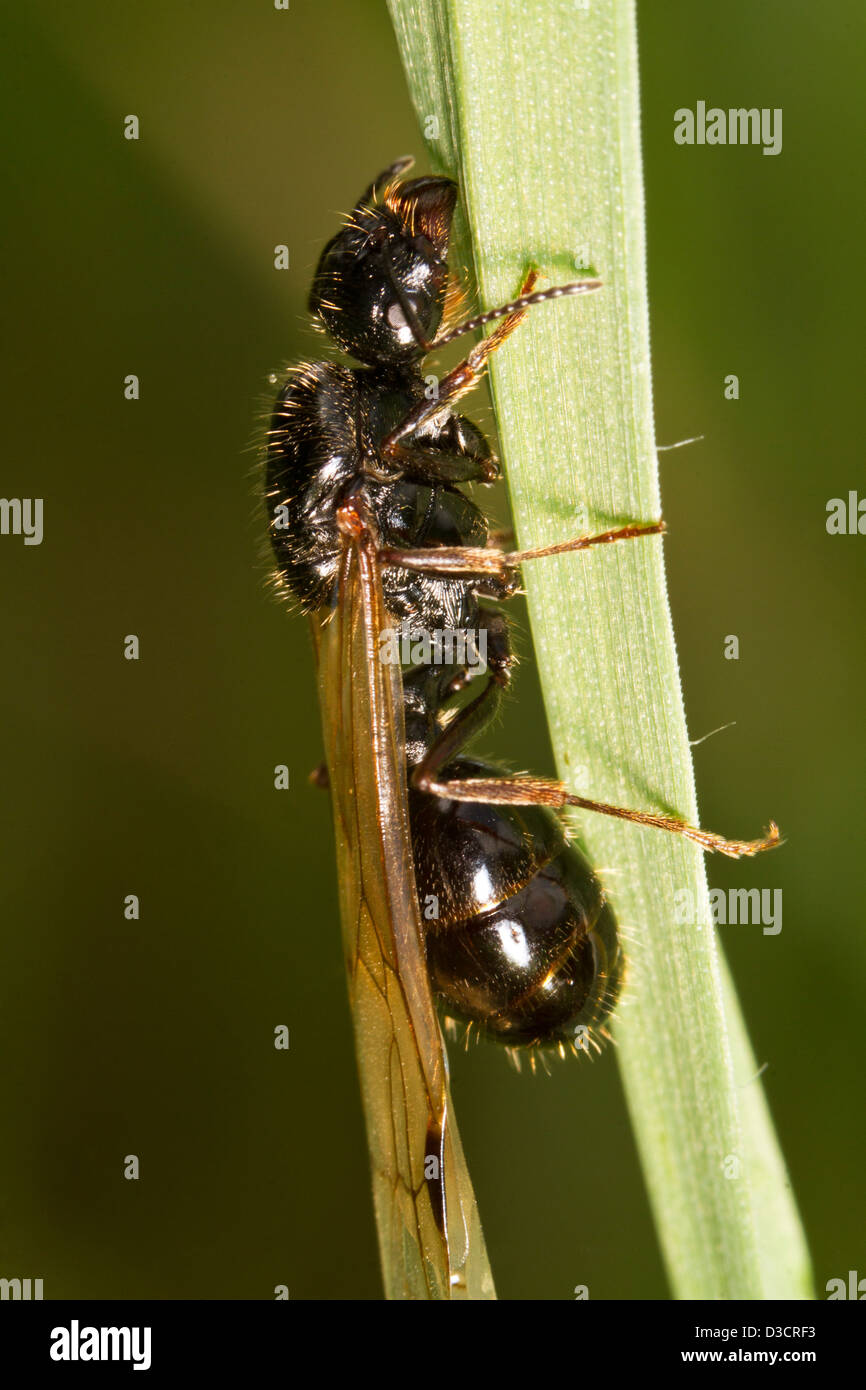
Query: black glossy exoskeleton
{"points": [[525, 944], [522, 940]]}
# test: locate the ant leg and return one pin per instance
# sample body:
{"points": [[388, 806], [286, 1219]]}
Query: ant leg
{"points": [[468, 372], [466, 724], [495, 653], [427, 690], [537, 791], [445, 465], [456, 452], [486, 650], [622, 533], [465, 561]]}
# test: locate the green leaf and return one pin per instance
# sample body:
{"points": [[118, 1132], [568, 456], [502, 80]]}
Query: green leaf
{"points": [[533, 107]]}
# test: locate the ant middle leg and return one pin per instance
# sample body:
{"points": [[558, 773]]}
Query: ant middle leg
{"points": [[537, 791], [469, 561]]}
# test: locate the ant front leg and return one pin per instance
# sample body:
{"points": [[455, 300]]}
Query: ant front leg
{"points": [[464, 376], [458, 381], [456, 452]]}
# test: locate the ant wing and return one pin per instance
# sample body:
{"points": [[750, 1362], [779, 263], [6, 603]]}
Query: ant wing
{"points": [[430, 1237]]}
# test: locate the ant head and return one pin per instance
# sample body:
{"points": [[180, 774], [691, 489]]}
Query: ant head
{"points": [[381, 282]]}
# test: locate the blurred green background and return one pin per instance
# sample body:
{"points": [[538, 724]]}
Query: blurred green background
{"points": [[156, 778]]}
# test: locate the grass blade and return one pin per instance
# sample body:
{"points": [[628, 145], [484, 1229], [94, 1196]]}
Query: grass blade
{"points": [[534, 108]]}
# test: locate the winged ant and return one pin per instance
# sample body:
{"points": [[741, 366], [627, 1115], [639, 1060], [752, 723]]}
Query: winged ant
{"points": [[524, 943]]}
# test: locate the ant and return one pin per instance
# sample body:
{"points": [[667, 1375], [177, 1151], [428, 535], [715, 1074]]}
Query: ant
{"points": [[524, 942]]}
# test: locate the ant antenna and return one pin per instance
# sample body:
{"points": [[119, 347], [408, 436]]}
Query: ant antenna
{"points": [[524, 302]]}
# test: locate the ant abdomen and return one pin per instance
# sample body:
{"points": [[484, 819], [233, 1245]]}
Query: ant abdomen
{"points": [[519, 936]]}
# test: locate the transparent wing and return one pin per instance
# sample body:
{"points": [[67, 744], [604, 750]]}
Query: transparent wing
{"points": [[430, 1236]]}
